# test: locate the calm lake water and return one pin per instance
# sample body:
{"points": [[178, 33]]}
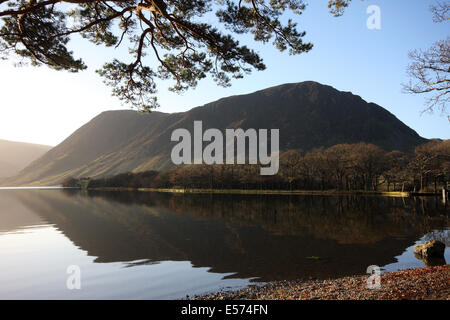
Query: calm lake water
{"points": [[138, 245]]}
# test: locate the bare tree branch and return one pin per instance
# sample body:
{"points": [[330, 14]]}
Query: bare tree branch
{"points": [[440, 11]]}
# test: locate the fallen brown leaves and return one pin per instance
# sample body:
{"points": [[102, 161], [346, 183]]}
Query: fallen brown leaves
{"points": [[411, 284]]}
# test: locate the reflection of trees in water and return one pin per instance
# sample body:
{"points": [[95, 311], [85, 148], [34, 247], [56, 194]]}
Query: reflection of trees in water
{"points": [[252, 236], [441, 235], [349, 219]]}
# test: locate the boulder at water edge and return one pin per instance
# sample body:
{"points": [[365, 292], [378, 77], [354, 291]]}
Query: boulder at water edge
{"points": [[431, 249]]}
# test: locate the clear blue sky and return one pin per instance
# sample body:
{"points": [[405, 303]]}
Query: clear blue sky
{"points": [[346, 55]]}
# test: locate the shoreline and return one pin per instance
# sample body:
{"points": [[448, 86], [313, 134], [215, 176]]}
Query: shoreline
{"points": [[397, 194], [428, 283]]}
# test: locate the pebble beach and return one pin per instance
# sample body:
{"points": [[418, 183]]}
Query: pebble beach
{"points": [[431, 283]]}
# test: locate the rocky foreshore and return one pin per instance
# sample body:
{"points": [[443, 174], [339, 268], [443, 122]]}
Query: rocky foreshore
{"points": [[412, 284]]}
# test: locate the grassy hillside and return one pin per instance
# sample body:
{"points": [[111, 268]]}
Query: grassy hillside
{"points": [[15, 156]]}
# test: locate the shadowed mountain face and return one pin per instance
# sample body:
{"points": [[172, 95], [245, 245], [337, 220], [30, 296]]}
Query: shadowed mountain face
{"points": [[15, 156], [308, 114], [266, 237]]}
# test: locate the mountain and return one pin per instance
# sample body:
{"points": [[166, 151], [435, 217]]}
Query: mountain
{"points": [[15, 156], [308, 114]]}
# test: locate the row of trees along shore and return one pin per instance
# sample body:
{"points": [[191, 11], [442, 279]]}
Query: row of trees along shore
{"points": [[341, 167]]}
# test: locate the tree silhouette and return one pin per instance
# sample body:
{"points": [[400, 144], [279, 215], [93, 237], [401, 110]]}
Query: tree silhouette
{"points": [[178, 33], [429, 70]]}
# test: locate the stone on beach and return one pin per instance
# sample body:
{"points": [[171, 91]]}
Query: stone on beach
{"points": [[430, 249]]}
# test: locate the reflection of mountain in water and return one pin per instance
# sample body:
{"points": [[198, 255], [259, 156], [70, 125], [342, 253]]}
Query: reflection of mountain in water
{"points": [[269, 237], [14, 215]]}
